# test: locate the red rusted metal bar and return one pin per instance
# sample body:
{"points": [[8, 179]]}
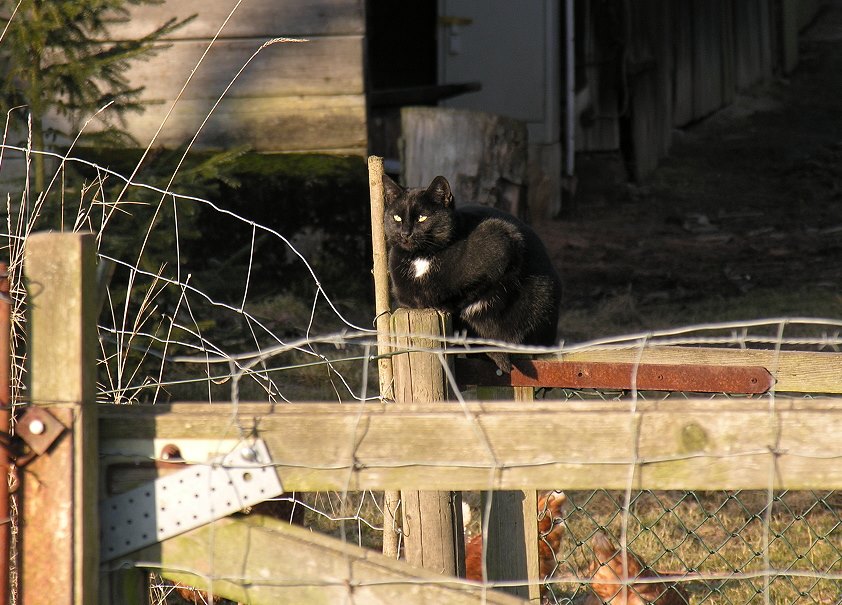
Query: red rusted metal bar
{"points": [[693, 378], [5, 427]]}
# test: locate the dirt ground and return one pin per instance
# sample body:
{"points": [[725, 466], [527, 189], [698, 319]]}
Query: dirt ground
{"points": [[743, 220]]}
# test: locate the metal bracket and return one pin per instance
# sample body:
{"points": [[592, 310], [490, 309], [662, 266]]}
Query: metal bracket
{"points": [[187, 499], [696, 378], [39, 429]]}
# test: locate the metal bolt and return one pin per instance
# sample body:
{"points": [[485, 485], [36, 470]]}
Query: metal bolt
{"points": [[36, 427], [248, 454]]}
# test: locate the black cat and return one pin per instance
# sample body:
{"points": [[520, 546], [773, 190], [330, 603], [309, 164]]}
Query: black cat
{"points": [[483, 266]]}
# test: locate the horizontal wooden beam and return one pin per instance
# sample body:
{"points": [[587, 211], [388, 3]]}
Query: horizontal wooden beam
{"points": [[318, 123], [672, 444], [238, 559], [794, 371], [321, 67], [255, 18]]}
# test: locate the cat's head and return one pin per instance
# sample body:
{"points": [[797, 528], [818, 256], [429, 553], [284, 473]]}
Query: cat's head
{"points": [[418, 219]]}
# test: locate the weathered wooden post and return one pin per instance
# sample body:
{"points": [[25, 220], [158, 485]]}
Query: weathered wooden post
{"points": [[391, 498], [432, 521], [59, 528]]}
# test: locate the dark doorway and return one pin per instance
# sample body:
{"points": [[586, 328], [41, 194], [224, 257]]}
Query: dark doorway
{"points": [[401, 43], [401, 61]]}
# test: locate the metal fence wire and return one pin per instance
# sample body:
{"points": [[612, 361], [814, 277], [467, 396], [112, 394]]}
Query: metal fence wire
{"points": [[164, 338], [728, 547]]}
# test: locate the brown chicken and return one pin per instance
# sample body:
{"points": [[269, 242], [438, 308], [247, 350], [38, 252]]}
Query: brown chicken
{"points": [[607, 575], [550, 530]]}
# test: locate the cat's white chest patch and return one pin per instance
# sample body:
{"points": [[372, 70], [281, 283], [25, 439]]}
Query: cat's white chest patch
{"points": [[421, 267]]}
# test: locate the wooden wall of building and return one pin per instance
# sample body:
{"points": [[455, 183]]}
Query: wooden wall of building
{"points": [[306, 96], [680, 62]]}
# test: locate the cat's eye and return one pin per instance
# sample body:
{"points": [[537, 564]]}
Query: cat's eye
{"points": [[397, 218], [422, 218]]}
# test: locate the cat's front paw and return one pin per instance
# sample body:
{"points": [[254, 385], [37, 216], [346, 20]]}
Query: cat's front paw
{"points": [[502, 361]]}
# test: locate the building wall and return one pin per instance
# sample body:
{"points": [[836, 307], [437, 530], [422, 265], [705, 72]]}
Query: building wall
{"points": [[292, 96], [669, 64]]}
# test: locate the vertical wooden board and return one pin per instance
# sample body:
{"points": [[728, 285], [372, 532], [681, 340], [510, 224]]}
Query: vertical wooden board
{"points": [[511, 548], [666, 68], [506, 547], [766, 26], [252, 18], [643, 81], [682, 19], [60, 537], [726, 30], [789, 28], [600, 102], [707, 58], [747, 40], [645, 124]]}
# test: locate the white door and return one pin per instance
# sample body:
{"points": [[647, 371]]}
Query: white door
{"points": [[511, 48]]}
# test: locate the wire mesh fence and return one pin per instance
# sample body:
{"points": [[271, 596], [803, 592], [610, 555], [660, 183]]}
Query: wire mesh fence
{"points": [[164, 338], [181, 323]]}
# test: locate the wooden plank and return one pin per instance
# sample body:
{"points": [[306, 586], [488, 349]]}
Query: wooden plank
{"points": [[325, 124], [59, 536], [238, 559], [671, 444], [684, 64], [707, 58], [254, 18], [726, 29], [600, 128], [794, 371], [322, 66], [513, 531], [664, 48], [789, 12], [768, 34], [748, 68]]}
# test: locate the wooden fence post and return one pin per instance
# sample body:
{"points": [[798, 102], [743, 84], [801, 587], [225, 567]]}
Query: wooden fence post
{"points": [[432, 521], [59, 519], [380, 271], [511, 546]]}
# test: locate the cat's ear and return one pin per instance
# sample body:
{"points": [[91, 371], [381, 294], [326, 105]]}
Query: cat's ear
{"points": [[391, 190], [439, 191]]}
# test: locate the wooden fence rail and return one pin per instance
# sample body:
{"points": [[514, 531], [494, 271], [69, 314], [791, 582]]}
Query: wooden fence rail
{"points": [[682, 444], [765, 442]]}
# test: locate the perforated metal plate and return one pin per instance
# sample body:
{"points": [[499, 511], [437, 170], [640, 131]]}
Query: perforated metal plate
{"points": [[187, 499]]}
